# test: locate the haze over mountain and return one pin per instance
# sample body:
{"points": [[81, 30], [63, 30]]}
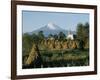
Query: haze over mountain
{"points": [[51, 28]]}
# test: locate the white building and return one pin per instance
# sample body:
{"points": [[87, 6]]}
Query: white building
{"points": [[70, 35]]}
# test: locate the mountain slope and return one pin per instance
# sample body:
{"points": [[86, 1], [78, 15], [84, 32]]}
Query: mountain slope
{"points": [[50, 28]]}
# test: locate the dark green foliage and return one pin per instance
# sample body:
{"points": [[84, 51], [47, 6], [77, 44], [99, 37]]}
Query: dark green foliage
{"points": [[56, 37], [69, 58], [50, 36], [61, 36], [83, 35], [35, 38], [65, 58], [27, 43], [80, 31], [81, 44], [40, 36]]}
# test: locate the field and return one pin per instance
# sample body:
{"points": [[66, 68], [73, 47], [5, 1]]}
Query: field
{"points": [[62, 58]]}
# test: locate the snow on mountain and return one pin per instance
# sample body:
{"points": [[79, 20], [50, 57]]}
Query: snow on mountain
{"points": [[50, 28], [53, 26]]}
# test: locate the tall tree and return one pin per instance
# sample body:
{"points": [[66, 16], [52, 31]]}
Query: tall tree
{"points": [[86, 40], [83, 32], [55, 36], [61, 36], [80, 31], [50, 36], [35, 38], [41, 35], [87, 29], [26, 43]]}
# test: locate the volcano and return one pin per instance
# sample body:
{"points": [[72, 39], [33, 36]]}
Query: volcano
{"points": [[50, 28]]}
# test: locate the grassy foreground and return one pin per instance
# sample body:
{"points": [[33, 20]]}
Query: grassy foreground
{"points": [[63, 58]]}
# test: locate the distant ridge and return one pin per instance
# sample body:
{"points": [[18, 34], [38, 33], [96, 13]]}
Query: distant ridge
{"points": [[51, 28]]}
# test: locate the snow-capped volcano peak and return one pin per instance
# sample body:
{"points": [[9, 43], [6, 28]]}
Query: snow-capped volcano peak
{"points": [[52, 26]]}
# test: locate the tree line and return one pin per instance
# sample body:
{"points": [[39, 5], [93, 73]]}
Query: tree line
{"points": [[82, 37]]}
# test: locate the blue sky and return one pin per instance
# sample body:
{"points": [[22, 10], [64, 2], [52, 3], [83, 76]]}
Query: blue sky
{"points": [[33, 20]]}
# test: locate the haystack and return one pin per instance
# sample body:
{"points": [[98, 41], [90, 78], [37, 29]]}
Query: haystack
{"points": [[32, 55], [64, 45], [74, 45], [58, 45]]}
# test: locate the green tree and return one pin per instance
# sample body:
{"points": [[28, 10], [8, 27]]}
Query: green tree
{"points": [[86, 26], [83, 33], [50, 36], [61, 36], [26, 43], [41, 36], [35, 38], [80, 31], [86, 37], [55, 36]]}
